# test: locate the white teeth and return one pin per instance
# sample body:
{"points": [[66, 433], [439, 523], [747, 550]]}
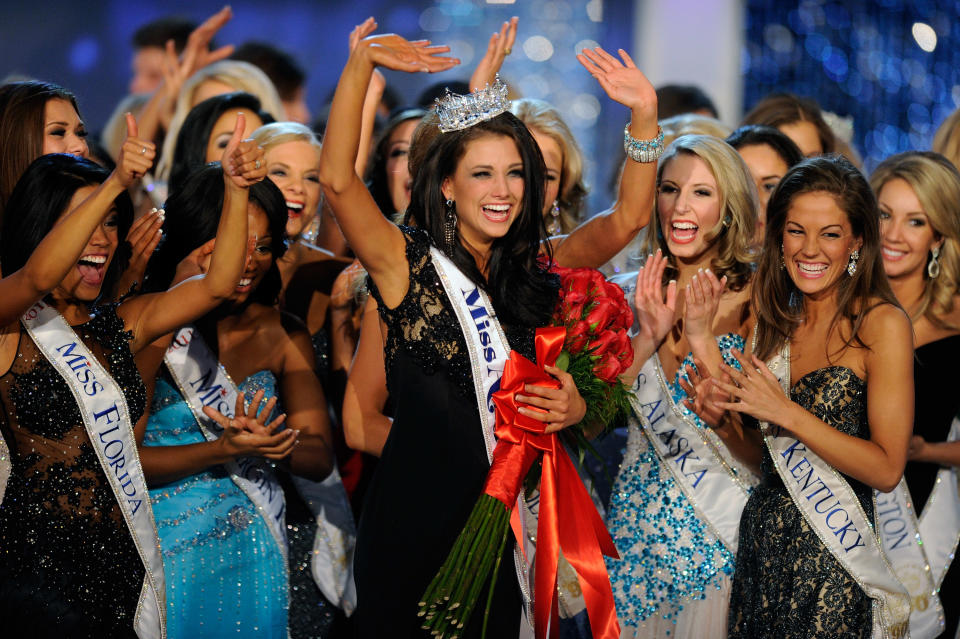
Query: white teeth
{"points": [[244, 282], [294, 205], [685, 226], [812, 268], [894, 254], [94, 259], [500, 208]]}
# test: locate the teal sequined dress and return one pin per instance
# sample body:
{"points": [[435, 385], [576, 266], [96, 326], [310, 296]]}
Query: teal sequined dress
{"points": [[669, 557], [226, 577]]}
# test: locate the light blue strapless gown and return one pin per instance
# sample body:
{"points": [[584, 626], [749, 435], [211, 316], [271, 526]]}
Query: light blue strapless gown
{"points": [[225, 575]]}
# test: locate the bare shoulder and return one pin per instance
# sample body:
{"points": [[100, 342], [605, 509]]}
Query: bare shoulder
{"points": [[886, 325]]}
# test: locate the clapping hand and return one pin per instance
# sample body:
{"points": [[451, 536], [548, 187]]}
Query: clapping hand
{"points": [[702, 396], [242, 161], [701, 301], [656, 308], [756, 390], [247, 434], [499, 47]]}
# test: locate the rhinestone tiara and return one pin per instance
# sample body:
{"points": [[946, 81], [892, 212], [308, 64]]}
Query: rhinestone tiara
{"points": [[458, 112]]}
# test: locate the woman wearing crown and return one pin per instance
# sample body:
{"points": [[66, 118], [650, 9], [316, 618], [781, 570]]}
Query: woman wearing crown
{"points": [[455, 295]]}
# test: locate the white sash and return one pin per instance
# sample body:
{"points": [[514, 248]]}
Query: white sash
{"points": [[940, 520], [833, 511], [203, 382], [489, 350], [106, 418], [334, 542], [692, 459], [897, 526]]}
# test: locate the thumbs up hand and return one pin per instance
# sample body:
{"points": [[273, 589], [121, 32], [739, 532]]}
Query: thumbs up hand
{"points": [[243, 160], [136, 155]]}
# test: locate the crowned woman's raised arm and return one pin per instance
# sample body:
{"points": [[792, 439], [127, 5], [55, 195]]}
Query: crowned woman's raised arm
{"points": [[374, 239]]}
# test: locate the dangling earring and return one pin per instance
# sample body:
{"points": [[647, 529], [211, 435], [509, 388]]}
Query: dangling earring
{"points": [[553, 228], [450, 226], [852, 265], [933, 266], [783, 265]]}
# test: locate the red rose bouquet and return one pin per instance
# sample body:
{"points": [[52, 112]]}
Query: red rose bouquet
{"points": [[589, 340]]}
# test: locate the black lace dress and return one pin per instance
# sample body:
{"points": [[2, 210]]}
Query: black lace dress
{"points": [[787, 585], [432, 468], [68, 565]]}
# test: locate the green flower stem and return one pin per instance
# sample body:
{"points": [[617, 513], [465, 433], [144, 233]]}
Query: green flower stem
{"points": [[496, 569]]}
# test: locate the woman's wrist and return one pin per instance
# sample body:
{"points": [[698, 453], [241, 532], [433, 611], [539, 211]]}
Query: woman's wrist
{"points": [[643, 121]]}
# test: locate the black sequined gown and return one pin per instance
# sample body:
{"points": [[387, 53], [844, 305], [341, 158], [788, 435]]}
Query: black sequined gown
{"points": [[938, 402], [432, 468], [787, 585], [68, 564]]}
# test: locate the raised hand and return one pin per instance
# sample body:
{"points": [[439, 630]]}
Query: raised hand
{"points": [[395, 52], [499, 47], [622, 81], [196, 55], [144, 236], [656, 308], [559, 407], [242, 161], [701, 300], [248, 435], [135, 157], [361, 31]]}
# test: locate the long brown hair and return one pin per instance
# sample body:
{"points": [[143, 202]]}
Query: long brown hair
{"points": [[777, 301], [22, 109], [778, 109]]}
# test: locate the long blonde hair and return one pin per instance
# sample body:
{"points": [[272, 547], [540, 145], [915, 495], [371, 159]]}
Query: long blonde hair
{"points": [[946, 141], [936, 183], [739, 206], [242, 76], [541, 116]]}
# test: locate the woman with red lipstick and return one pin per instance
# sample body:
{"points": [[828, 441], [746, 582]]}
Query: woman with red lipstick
{"points": [[78, 555], [678, 584], [234, 576], [829, 380], [918, 194]]}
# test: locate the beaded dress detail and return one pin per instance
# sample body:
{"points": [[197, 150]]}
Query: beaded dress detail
{"points": [[787, 584], [668, 555], [225, 575], [433, 464], [68, 564]]}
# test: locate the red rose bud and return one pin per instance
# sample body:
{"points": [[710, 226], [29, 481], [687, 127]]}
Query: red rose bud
{"points": [[579, 282], [602, 314], [577, 336], [623, 349], [603, 343], [608, 369]]}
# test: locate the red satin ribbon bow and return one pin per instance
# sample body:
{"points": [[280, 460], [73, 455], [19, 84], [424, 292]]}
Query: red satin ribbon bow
{"points": [[583, 537]]}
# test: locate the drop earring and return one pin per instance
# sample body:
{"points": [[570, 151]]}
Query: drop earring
{"points": [[553, 227], [852, 264], [933, 266], [450, 227]]}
